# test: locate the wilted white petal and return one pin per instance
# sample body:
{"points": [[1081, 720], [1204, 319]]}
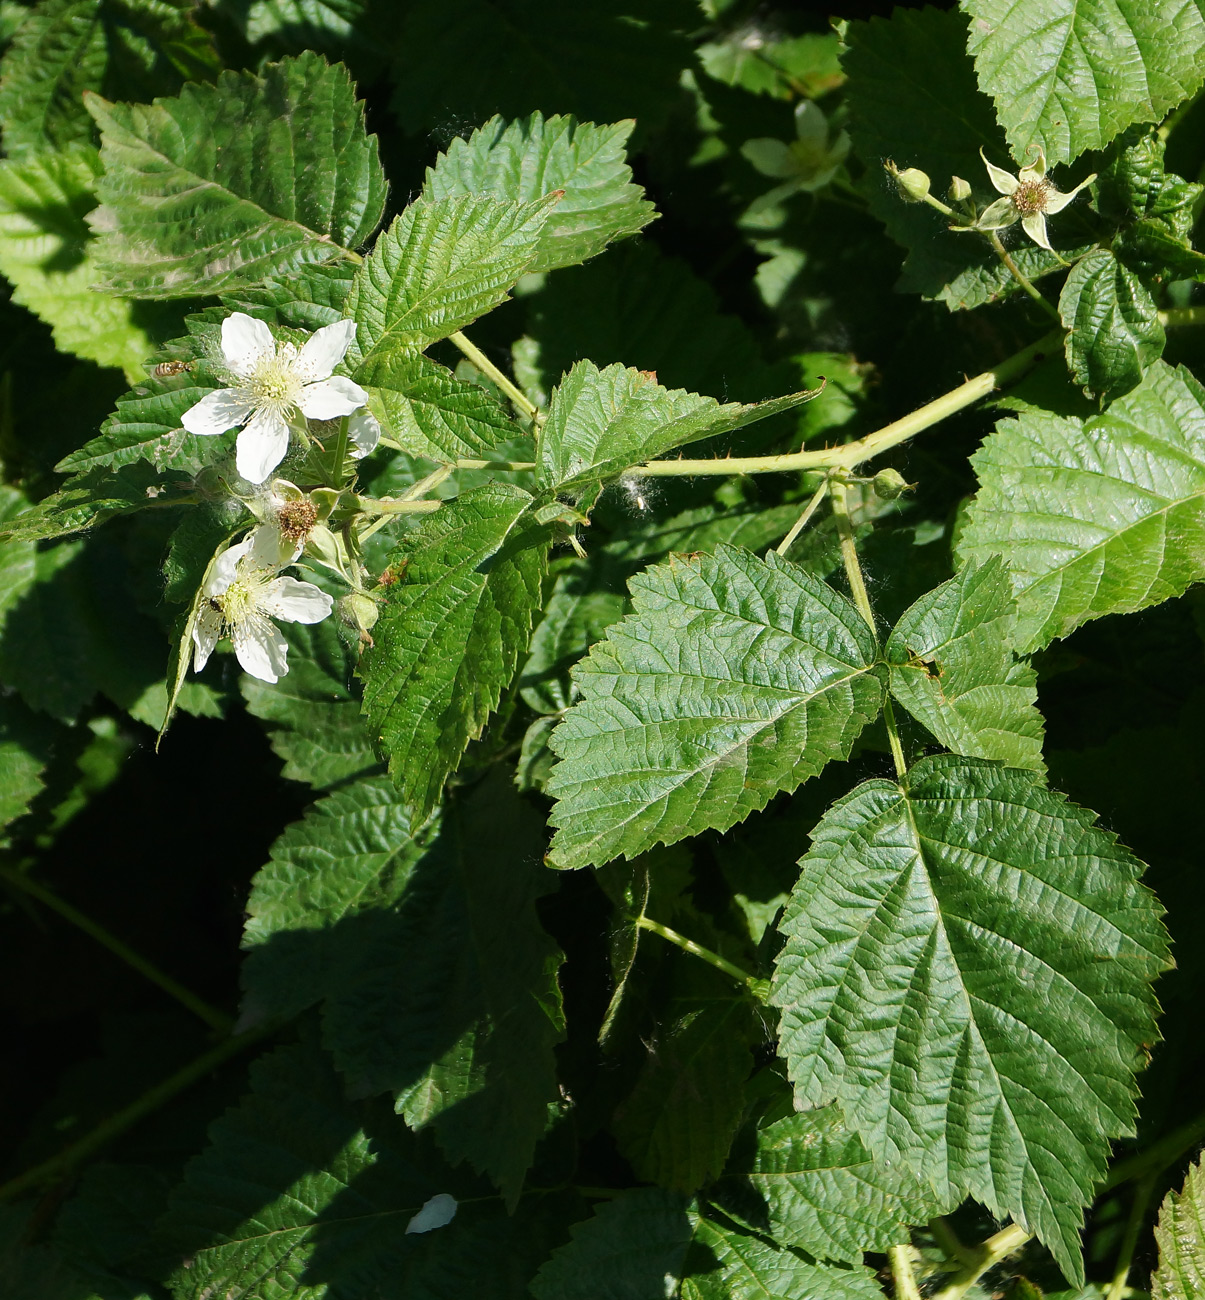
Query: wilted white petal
{"points": [[206, 632], [325, 348], [363, 432], [260, 647], [245, 343], [1034, 226], [438, 1211], [262, 445], [1056, 201], [1002, 180], [1000, 214], [331, 398], [222, 571], [1033, 171], [295, 602], [216, 412]]}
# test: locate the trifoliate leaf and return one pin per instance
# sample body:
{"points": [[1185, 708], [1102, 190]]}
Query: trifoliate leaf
{"points": [[601, 422], [732, 679], [530, 159], [451, 632], [313, 717], [442, 263], [953, 669], [648, 1242], [1180, 1235], [1098, 516], [1113, 327], [967, 970], [438, 983], [228, 184], [808, 1182], [1069, 75]]}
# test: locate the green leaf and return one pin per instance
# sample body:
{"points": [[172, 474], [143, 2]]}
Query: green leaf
{"points": [[953, 669], [89, 500], [25, 749], [442, 263], [44, 253], [1114, 332], [704, 528], [732, 679], [1135, 183], [307, 299], [451, 632], [967, 970], [808, 1182], [601, 422], [648, 1242], [1099, 516], [530, 159], [228, 184], [313, 717], [1069, 75], [1180, 1235], [439, 985]]}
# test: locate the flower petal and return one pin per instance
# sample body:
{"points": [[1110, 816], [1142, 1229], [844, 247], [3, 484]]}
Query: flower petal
{"points": [[810, 123], [221, 572], [330, 398], [1034, 226], [1003, 182], [216, 412], [998, 215], [245, 343], [270, 549], [260, 648], [1056, 200], [206, 633], [1033, 171], [363, 432], [295, 602], [324, 349], [262, 445]]}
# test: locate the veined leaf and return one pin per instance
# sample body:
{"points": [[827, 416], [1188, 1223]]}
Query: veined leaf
{"points": [[601, 422], [953, 669], [1069, 75], [648, 1242], [442, 263], [451, 632], [808, 1182], [1098, 516], [530, 159], [1180, 1235], [439, 984], [1113, 327], [89, 500], [309, 298], [968, 970], [732, 679], [228, 184]]}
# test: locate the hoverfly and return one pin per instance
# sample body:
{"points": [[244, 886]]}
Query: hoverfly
{"points": [[165, 369]]}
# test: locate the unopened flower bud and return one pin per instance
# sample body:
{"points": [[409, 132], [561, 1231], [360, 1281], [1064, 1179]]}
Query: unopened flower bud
{"points": [[959, 189], [358, 610], [913, 183], [889, 484]]}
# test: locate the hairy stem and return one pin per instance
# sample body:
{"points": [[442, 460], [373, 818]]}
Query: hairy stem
{"points": [[697, 950], [1017, 274], [900, 1259], [491, 371], [802, 522], [214, 1018], [891, 435], [982, 1257]]}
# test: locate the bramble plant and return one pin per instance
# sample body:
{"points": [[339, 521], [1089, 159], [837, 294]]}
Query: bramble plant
{"points": [[693, 898]]}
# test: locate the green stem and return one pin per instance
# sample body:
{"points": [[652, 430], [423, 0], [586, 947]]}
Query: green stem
{"points": [[949, 1241], [496, 464], [104, 1133], [1158, 1155], [491, 371], [374, 507], [1183, 316], [697, 950], [1015, 271], [982, 1257], [852, 454], [900, 1258], [1125, 1256], [214, 1018], [802, 522]]}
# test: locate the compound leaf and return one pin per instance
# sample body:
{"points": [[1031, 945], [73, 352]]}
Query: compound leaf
{"points": [[953, 669], [967, 970], [1097, 516], [1180, 1235], [732, 679], [228, 184], [530, 159]]}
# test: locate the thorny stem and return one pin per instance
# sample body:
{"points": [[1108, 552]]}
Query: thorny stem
{"points": [[900, 1258], [982, 1257], [1017, 274], [150, 1101], [802, 522], [1125, 1256], [214, 1018], [751, 982], [491, 371]]}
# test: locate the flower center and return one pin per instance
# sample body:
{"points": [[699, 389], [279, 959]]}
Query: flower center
{"points": [[241, 599], [274, 383], [1032, 197], [296, 518]]}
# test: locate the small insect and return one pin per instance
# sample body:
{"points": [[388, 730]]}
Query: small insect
{"points": [[165, 369]]}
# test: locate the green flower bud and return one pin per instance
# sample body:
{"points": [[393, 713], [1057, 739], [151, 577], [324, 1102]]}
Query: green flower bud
{"points": [[889, 484], [959, 189], [913, 183], [359, 610]]}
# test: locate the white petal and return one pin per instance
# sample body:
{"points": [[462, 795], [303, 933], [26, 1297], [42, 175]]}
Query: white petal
{"points": [[324, 349], [1004, 183], [222, 571], [261, 649], [1034, 226], [270, 549], [216, 412], [295, 602], [363, 432], [435, 1213], [262, 446], [245, 343], [330, 398], [206, 633], [1000, 214], [1033, 171], [1056, 201]]}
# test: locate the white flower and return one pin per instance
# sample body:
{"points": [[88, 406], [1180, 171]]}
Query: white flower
{"points": [[363, 432], [1029, 196], [243, 593], [277, 383]]}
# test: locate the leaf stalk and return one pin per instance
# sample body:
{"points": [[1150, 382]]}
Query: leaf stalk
{"points": [[491, 371], [752, 983], [982, 1257]]}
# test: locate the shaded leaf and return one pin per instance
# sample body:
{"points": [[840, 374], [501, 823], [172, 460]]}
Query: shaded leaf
{"points": [[25, 749]]}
